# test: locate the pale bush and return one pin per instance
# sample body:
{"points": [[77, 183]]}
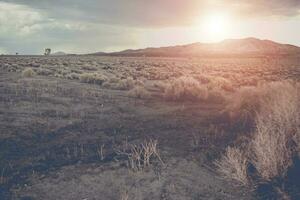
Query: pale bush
{"points": [[126, 84], [28, 72], [34, 64], [44, 72], [272, 153], [217, 95], [57, 75], [220, 83], [185, 88], [124, 195], [233, 165], [73, 76], [276, 136], [139, 92], [121, 84], [160, 85], [277, 126], [62, 71], [244, 105], [114, 80], [89, 68], [248, 101], [93, 78], [141, 155], [204, 79]]}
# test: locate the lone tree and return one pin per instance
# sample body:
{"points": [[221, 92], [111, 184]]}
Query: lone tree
{"points": [[47, 52]]}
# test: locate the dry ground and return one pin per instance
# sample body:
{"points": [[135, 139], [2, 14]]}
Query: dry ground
{"points": [[57, 117]]}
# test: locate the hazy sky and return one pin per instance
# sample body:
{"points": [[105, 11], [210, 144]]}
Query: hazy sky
{"points": [[81, 26]]}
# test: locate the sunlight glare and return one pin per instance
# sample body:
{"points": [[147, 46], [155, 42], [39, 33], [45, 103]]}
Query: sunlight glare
{"points": [[215, 26]]}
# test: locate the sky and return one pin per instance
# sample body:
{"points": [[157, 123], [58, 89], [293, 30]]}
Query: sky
{"points": [[86, 26]]}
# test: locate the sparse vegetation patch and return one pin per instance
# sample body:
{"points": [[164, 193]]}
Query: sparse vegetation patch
{"points": [[185, 88], [93, 78], [28, 72]]}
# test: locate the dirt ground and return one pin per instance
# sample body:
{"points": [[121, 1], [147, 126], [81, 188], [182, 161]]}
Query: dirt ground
{"points": [[52, 126]]}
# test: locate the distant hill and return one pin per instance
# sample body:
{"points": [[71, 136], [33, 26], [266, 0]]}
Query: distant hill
{"points": [[100, 53], [59, 53], [229, 47]]}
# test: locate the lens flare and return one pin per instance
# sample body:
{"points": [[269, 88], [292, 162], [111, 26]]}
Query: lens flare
{"points": [[215, 26]]}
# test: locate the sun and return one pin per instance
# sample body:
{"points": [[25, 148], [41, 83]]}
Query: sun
{"points": [[215, 26]]}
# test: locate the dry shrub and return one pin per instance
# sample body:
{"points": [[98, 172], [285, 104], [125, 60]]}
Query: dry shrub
{"points": [[233, 165], [28, 72], [140, 156], [185, 88], [73, 76], [159, 85], [272, 153], [220, 83], [244, 105], [248, 101], [93, 78], [139, 92], [44, 72], [89, 68], [275, 140], [140, 82], [126, 84], [124, 195], [57, 75], [34, 64], [114, 80], [204, 79], [62, 71], [121, 84], [277, 126], [216, 95]]}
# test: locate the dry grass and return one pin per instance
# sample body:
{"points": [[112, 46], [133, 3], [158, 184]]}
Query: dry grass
{"points": [[124, 195], [217, 95], [73, 76], [100, 151], [277, 125], [44, 72], [126, 84], [244, 105], [276, 137], [139, 92], [2, 177], [89, 68], [220, 83], [247, 102], [140, 156], [185, 88], [233, 165], [93, 78], [28, 72], [120, 84], [159, 85]]}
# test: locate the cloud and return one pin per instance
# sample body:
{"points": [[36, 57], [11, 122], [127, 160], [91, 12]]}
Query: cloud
{"points": [[106, 25], [20, 21], [266, 8], [28, 30], [17, 19], [132, 12], [155, 13]]}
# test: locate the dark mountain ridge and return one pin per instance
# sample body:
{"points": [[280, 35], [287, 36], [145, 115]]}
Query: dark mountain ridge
{"points": [[228, 47]]}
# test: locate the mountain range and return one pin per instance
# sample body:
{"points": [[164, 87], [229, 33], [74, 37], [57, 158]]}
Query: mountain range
{"points": [[228, 47]]}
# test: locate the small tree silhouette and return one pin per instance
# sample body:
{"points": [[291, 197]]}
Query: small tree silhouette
{"points": [[47, 52]]}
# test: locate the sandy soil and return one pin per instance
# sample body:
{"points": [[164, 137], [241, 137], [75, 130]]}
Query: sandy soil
{"points": [[52, 127]]}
